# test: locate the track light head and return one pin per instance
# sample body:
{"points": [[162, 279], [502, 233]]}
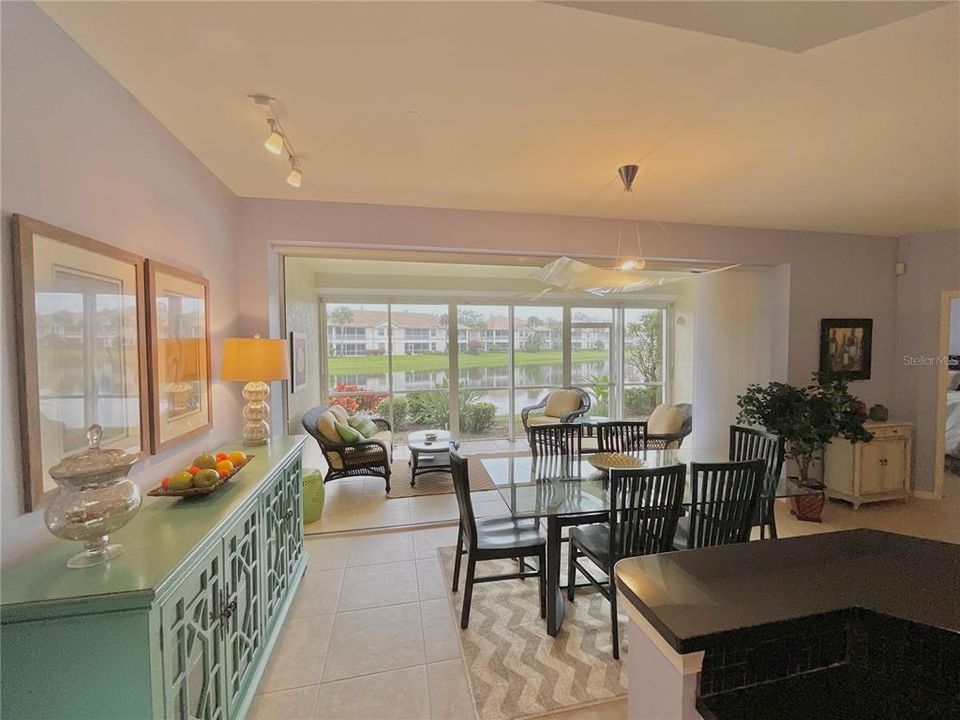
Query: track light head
{"points": [[274, 143], [296, 175]]}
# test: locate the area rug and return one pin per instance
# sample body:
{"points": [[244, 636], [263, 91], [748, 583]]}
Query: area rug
{"points": [[515, 668], [439, 483]]}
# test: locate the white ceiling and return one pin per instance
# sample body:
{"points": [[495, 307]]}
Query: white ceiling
{"points": [[530, 107]]}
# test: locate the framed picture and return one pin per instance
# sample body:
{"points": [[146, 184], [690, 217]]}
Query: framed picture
{"points": [[298, 361], [80, 314], [846, 347], [178, 351]]}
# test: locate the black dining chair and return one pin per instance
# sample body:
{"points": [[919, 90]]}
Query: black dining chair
{"points": [[564, 440], [723, 500], [492, 539], [621, 436], [645, 506], [748, 443], [556, 439]]}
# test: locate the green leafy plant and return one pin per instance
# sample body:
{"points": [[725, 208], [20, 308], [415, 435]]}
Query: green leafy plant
{"points": [[806, 418], [641, 400], [478, 417]]}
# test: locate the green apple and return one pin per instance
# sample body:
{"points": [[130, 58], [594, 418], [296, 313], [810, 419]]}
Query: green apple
{"points": [[180, 481], [206, 478], [207, 460]]}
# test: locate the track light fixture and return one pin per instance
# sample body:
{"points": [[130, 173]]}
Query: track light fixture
{"points": [[278, 141], [296, 176]]}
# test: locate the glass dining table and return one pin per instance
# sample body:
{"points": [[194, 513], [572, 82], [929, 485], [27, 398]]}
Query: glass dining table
{"points": [[556, 488]]}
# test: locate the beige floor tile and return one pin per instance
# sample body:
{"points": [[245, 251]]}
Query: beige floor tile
{"points": [[450, 697], [374, 640], [380, 548], [318, 593], [614, 710], [296, 704], [430, 579], [394, 695], [370, 586], [298, 656], [426, 542], [326, 553], [440, 633], [433, 508]]}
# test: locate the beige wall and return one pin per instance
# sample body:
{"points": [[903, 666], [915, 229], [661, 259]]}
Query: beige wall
{"points": [[79, 152], [933, 265]]}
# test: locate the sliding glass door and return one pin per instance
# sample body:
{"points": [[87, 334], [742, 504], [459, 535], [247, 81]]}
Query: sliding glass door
{"points": [[538, 333], [474, 367]]}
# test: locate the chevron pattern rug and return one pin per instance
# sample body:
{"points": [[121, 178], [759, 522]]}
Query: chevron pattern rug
{"points": [[515, 669]]}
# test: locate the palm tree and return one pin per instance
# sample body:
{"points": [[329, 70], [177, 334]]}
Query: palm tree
{"points": [[341, 316]]}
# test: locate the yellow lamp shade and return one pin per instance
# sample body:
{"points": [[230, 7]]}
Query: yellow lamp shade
{"points": [[254, 359]]}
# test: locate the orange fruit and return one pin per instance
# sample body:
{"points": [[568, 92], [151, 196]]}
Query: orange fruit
{"points": [[221, 456], [193, 469], [237, 457], [225, 465]]}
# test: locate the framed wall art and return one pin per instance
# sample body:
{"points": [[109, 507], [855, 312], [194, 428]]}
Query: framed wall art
{"points": [[178, 344], [298, 361], [846, 347], [80, 314]]}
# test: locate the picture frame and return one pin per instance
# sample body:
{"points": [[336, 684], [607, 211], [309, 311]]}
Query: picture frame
{"points": [[846, 347], [178, 355], [298, 362], [82, 360]]}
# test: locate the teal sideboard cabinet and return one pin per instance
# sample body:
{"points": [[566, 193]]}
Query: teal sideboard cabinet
{"points": [[179, 626]]}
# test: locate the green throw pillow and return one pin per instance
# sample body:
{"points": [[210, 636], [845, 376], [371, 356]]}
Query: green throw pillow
{"points": [[363, 424], [348, 434]]}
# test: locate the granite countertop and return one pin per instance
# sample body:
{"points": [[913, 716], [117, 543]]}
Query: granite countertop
{"points": [[693, 596]]}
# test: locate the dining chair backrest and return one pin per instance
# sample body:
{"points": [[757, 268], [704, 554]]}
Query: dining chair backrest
{"points": [[461, 486], [748, 443], [556, 439], [552, 467], [723, 498], [645, 506], [622, 436]]}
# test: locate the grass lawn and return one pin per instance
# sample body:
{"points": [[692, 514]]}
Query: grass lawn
{"points": [[374, 364]]}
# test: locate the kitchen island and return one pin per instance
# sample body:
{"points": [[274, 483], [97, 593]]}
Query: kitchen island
{"points": [[856, 624]]}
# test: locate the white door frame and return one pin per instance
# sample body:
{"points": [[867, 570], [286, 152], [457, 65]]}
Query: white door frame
{"points": [[946, 297]]}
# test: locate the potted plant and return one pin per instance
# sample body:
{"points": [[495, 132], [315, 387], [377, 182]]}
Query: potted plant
{"points": [[806, 419]]}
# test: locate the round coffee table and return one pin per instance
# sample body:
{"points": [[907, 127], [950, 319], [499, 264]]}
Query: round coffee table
{"points": [[430, 455]]}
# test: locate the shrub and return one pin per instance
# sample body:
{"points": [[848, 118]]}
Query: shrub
{"points": [[429, 408], [640, 400], [363, 401], [395, 410], [478, 417]]}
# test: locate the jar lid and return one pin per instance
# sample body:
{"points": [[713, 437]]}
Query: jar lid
{"points": [[92, 461]]}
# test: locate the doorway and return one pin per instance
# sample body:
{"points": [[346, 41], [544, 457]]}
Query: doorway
{"points": [[947, 456]]}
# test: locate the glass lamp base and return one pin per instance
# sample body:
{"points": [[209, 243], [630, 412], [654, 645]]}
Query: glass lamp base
{"points": [[256, 426], [95, 556]]}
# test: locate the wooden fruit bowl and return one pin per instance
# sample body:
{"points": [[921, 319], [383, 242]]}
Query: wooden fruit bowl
{"points": [[193, 492]]}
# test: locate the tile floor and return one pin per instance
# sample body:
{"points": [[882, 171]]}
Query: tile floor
{"points": [[371, 636]]}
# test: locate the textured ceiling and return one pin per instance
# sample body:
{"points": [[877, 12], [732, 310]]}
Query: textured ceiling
{"points": [[530, 107]]}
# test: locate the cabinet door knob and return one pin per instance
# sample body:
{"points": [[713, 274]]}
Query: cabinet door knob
{"points": [[288, 514]]}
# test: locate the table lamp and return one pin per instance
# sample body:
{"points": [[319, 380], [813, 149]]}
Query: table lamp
{"points": [[255, 361]]}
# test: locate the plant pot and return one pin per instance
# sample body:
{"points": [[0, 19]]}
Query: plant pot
{"points": [[809, 506]]}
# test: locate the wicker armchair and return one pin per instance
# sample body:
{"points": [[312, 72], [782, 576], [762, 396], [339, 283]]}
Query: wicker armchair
{"points": [[565, 415], [672, 441], [364, 458]]}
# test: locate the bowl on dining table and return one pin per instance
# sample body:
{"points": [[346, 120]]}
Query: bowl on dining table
{"points": [[607, 461]]}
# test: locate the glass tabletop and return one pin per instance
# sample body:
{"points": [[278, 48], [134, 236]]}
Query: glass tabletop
{"points": [[570, 485]]}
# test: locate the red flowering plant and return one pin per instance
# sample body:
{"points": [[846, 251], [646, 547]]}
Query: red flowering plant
{"points": [[360, 400]]}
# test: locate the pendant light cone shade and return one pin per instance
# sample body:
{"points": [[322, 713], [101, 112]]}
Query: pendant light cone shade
{"points": [[295, 177], [628, 174], [254, 359], [274, 143]]}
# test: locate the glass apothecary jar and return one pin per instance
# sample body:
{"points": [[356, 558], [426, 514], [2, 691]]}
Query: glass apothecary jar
{"points": [[95, 498]]}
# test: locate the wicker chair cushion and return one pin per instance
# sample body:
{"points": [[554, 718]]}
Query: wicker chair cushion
{"points": [[364, 425], [542, 420], [562, 401], [340, 413], [327, 426], [665, 420], [349, 434]]}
